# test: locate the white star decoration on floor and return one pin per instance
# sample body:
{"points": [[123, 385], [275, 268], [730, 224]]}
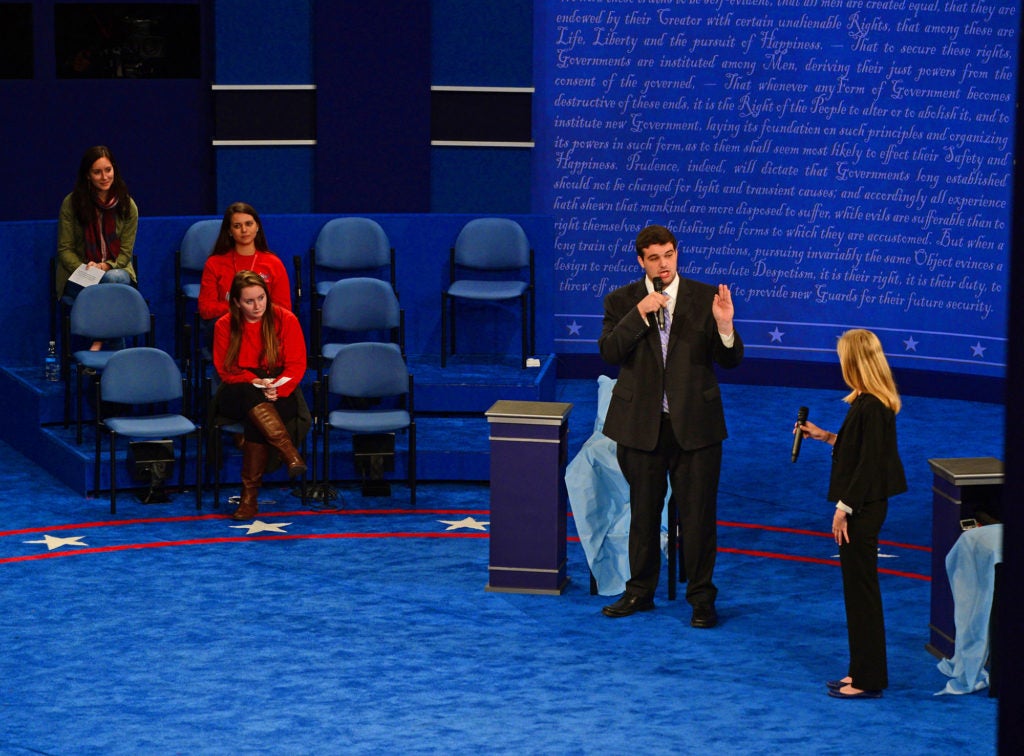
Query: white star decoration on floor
{"points": [[258, 526], [466, 522], [52, 542]]}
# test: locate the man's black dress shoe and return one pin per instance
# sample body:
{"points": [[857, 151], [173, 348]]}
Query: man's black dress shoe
{"points": [[628, 603], [704, 615]]}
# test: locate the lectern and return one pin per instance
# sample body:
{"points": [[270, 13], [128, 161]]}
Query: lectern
{"points": [[962, 489], [529, 453]]}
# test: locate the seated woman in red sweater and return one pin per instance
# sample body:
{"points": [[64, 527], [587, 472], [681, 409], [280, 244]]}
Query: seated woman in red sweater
{"points": [[260, 354], [241, 245]]}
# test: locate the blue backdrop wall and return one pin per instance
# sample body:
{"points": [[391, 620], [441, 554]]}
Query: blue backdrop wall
{"points": [[836, 169]]}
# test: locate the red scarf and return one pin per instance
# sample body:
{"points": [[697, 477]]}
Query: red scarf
{"points": [[101, 240]]}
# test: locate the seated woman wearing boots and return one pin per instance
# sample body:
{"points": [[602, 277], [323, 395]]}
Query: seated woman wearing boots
{"points": [[260, 354]]}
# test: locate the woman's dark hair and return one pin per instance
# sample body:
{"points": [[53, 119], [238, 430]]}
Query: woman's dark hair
{"points": [[83, 195], [271, 346], [224, 240]]}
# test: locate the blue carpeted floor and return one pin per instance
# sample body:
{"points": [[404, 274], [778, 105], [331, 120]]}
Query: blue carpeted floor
{"points": [[369, 631]]}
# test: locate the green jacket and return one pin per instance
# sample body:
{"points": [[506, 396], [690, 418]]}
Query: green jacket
{"points": [[71, 243]]}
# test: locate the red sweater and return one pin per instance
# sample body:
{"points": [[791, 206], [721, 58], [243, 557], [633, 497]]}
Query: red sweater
{"points": [[219, 271], [250, 353]]}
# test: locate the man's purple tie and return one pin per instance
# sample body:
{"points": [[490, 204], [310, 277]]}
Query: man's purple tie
{"points": [[664, 350]]}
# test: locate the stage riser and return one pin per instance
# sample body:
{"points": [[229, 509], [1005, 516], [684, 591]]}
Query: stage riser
{"points": [[449, 449], [452, 432]]}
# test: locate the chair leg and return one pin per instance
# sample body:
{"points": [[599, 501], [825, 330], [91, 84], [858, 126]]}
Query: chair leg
{"points": [[199, 470], [216, 461], [412, 464], [444, 328], [533, 322], [113, 475], [96, 463], [325, 476], [452, 312], [525, 339], [78, 405]]}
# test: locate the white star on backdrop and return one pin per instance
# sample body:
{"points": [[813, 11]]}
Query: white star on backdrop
{"points": [[258, 526], [574, 328], [910, 344], [978, 350], [52, 542], [466, 522], [776, 335]]}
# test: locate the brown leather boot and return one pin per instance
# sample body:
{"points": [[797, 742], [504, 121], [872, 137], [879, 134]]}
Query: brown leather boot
{"points": [[264, 416], [254, 462]]}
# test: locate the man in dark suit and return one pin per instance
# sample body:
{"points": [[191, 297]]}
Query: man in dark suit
{"points": [[666, 416]]}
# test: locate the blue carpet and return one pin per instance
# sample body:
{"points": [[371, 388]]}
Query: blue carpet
{"points": [[369, 630]]}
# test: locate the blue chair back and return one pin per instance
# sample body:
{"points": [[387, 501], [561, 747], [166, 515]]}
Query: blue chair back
{"points": [[197, 244], [352, 244], [368, 370], [141, 375], [492, 244], [361, 304], [109, 311]]}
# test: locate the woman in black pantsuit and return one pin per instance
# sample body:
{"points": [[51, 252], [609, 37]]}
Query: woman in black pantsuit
{"points": [[866, 471]]}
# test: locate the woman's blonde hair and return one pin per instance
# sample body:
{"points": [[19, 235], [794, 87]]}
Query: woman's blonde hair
{"points": [[865, 368], [271, 347]]}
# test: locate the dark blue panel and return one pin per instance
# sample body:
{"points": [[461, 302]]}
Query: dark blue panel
{"points": [[271, 179], [483, 44], [159, 129], [263, 42], [372, 71], [480, 180]]}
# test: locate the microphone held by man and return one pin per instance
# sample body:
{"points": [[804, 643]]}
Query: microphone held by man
{"points": [[659, 286]]}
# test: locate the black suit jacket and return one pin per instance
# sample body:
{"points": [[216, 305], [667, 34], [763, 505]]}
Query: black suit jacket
{"points": [[866, 464], [694, 397]]}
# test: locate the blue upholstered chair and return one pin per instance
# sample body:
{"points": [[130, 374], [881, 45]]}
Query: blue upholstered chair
{"points": [[103, 312], [361, 309], [486, 265], [190, 259], [348, 246], [149, 381], [360, 375]]}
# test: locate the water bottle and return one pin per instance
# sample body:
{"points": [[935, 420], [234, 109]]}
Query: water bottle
{"points": [[51, 369]]}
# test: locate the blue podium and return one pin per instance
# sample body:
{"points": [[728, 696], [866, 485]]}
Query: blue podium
{"points": [[529, 453], [962, 488]]}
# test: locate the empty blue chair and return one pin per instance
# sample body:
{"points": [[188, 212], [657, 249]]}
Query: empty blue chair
{"points": [[149, 381], [362, 309], [196, 245], [347, 245], [365, 372], [492, 254], [102, 312]]}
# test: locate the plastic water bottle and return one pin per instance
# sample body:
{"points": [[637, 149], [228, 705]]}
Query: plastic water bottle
{"points": [[51, 369]]}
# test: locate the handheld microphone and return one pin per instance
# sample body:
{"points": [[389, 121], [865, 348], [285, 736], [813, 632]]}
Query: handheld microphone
{"points": [[659, 286], [798, 436]]}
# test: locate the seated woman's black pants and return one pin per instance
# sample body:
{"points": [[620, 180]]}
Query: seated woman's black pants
{"points": [[234, 400]]}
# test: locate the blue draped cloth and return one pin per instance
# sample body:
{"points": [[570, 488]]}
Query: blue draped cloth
{"points": [[599, 498], [970, 566]]}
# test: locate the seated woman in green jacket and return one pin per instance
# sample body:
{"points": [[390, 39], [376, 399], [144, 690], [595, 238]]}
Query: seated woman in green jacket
{"points": [[97, 224]]}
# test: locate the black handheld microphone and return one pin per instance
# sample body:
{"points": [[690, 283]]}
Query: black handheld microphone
{"points": [[659, 286], [798, 436]]}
